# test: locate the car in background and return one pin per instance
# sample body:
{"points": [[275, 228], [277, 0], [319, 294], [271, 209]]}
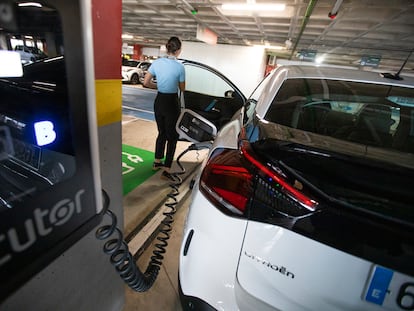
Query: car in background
{"points": [[29, 54], [133, 70], [305, 199], [141, 79]]}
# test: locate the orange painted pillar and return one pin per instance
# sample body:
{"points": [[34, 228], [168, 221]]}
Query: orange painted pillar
{"points": [[107, 28]]}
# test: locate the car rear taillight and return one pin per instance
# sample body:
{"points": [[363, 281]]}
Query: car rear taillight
{"points": [[227, 182], [232, 178], [283, 184]]}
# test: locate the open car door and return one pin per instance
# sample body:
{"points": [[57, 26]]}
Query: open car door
{"points": [[208, 102]]}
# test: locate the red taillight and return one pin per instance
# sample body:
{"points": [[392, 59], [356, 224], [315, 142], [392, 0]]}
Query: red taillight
{"points": [[286, 187], [226, 181]]}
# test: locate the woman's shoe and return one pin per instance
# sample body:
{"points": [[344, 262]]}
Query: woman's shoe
{"points": [[157, 165]]}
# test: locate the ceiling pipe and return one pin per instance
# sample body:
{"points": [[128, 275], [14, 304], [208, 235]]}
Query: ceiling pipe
{"points": [[308, 13], [332, 14], [188, 5]]}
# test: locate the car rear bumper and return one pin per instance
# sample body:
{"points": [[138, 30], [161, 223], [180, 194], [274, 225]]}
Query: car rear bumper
{"points": [[189, 303], [209, 254]]}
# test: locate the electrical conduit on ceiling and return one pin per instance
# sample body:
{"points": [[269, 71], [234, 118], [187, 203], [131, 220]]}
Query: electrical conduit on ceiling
{"points": [[308, 13]]}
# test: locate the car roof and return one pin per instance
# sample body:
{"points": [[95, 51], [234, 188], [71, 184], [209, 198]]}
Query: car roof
{"points": [[343, 73], [285, 72]]}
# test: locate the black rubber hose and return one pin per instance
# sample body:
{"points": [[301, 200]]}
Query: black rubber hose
{"points": [[120, 256]]}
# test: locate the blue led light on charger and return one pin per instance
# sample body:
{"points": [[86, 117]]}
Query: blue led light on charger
{"points": [[44, 132]]}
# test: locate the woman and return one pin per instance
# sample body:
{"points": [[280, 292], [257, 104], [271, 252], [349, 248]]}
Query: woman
{"points": [[170, 77]]}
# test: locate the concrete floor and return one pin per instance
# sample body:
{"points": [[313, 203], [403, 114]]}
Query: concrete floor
{"points": [[139, 205], [164, 293]]}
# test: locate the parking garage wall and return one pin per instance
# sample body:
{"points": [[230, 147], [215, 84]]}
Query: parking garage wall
{"points": [[244, 66]]}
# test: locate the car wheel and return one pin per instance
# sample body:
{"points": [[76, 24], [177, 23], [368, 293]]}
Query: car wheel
{"points": [[134, 79]]}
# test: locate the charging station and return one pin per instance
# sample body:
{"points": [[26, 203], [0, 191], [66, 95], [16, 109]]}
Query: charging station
{"points": [[50, 192]]}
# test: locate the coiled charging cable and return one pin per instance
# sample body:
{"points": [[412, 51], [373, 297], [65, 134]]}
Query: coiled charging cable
{"points": [[120, 256]]}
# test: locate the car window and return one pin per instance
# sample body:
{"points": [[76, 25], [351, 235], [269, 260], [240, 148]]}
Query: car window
{"points": [[365, 113], [144, 66], [210, 94], [130, 63], [202, 81]]}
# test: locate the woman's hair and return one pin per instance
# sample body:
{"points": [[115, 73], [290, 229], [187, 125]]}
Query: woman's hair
{"points": [[173, 45]]}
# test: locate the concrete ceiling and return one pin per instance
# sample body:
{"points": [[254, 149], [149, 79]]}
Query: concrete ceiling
{"points": [[379, 28]]}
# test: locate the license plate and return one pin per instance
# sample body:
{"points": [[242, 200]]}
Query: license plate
{"points": [[390, 289]]}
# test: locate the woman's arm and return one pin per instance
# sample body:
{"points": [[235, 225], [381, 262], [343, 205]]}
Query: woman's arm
{"points": [[148, 81], [181, 85]]}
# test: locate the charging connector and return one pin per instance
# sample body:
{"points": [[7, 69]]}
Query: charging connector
{"points": [[201, 145]]}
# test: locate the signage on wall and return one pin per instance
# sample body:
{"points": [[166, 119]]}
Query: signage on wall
{"points": [[370, 60], [127, 49], [307, 55], [206, 35]]}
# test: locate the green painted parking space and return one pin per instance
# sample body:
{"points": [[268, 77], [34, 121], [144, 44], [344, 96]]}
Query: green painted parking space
{"points": [[136, 167]]}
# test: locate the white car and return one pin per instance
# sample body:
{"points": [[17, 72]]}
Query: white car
{"points": [[133, 70], [305, 201]]}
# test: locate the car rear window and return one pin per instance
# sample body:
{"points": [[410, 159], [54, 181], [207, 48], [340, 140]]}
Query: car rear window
{"points": [[130, 63], [364, 113]]}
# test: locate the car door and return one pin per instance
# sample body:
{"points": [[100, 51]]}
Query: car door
{"points": [[208, 102]]}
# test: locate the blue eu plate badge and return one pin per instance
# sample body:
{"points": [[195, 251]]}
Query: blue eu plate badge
{"points": [[378, 286]]}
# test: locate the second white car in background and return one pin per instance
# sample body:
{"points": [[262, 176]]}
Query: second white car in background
{"points": [[133, 70]]}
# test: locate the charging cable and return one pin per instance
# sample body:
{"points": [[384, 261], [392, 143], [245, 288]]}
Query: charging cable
{"points": [[120, 256]]}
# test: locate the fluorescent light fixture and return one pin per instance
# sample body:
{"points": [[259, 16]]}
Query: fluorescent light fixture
{"points": [[270, 47], [253, 7], [275, 47], [126, 36], [320, 59], [35, 4]]}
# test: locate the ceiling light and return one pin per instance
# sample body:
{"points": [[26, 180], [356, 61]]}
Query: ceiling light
{"points": [[275, 47], [253, 7], [35, 4], [270, 47], [320, 59], [126, 36]]}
